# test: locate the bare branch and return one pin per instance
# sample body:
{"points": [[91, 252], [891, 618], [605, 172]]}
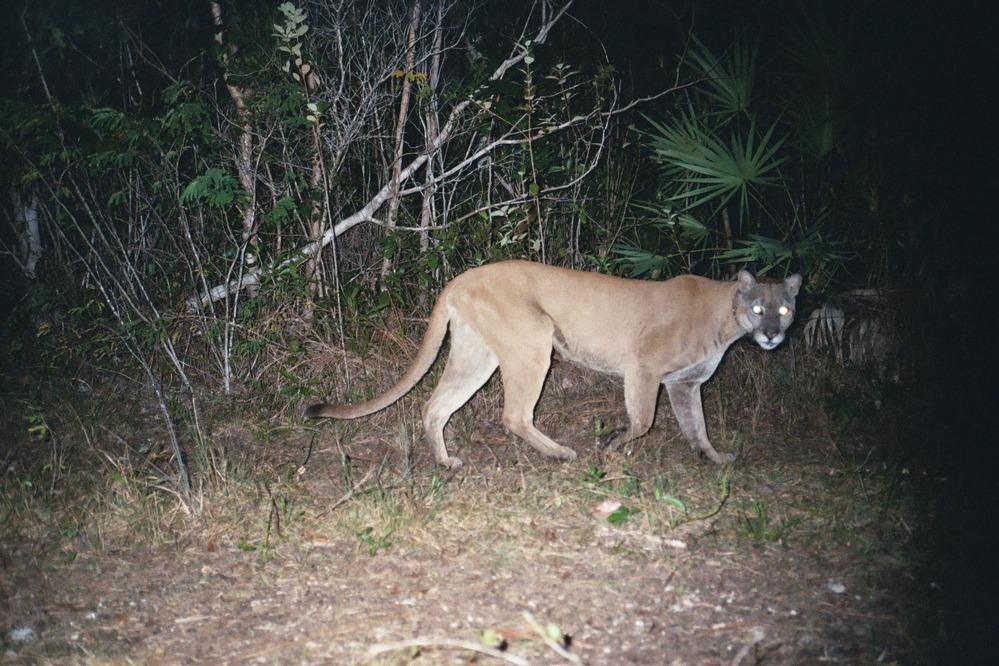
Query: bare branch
{"points": [[454, 125]]}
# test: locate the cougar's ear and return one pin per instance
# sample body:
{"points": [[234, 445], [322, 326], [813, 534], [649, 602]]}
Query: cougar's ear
{"points": [[746, 281], [793, 284]]}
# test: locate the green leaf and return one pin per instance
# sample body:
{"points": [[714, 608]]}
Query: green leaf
{"points": [[621, 516], [728, 80], [490, 638], [640, 262], [669, 499], [215, 189]]}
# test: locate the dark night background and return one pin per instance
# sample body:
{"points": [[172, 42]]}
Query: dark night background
{"points": [[923, 76]]}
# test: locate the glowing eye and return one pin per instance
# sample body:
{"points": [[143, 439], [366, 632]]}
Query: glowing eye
{"points": [[758, 309], [784, 311]]}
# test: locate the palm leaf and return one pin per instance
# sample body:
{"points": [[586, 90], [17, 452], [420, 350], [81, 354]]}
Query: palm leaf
{"points": [[729, 79], [712, 170]]}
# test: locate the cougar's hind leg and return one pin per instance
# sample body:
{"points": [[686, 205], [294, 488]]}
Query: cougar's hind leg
{"points": [[523, 378], [470, 364]]}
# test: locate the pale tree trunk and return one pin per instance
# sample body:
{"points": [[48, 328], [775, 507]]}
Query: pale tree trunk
{"points": [[245, 167], [317, 180], [246, 173], [400, 129], [432, 132], [317, 214], [29, 236]]}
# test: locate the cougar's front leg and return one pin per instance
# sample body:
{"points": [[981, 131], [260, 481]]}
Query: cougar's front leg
{"points": [[640, 392], [685, 397]]}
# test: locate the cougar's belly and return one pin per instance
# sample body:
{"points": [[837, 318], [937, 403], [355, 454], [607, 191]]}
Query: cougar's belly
{"points": [[601, 362]]}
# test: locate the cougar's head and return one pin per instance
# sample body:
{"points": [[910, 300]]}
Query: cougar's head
{"points": [[765, 309]]}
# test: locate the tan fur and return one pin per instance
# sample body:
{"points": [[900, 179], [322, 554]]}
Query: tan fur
{"points": [[510, 315]]}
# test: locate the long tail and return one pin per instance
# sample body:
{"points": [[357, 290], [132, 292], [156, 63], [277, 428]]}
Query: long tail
{"points": [[433, 338]]}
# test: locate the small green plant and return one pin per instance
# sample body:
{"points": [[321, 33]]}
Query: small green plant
{"points": [[622, 514], [758, 527], [347, 466], [493, 639], [38, 427], [374, 543], [662, 496], [593, 475], [601, 429], [629, 485], [298, 388], [439, 481]]}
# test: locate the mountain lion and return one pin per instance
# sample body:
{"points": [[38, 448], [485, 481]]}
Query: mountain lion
{"points": [[510, 315]]}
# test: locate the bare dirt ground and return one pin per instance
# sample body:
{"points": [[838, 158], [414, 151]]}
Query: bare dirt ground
{"points": [[343, 544]]}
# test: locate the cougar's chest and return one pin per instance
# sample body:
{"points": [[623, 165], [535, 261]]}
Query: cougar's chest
{"points": [[697, 372]]}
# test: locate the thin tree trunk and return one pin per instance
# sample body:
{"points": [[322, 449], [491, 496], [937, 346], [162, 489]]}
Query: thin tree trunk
{"points": [[29, 236], [244, 154], [400, 131], [432, 131]]}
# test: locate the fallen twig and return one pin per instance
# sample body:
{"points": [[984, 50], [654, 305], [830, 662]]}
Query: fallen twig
{"points": [[350, 493], [756, 636], [540, 631], [448, 643]]}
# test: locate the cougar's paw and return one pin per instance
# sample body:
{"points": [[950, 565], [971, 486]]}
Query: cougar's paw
{"points": [[722, 458], [451, 462], [566, 454]]}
